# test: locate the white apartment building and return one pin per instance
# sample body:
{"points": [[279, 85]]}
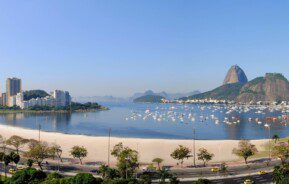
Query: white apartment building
{"points": [[58, 98]]}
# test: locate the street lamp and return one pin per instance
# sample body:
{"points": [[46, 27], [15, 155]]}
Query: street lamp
{"points": [[194, 150], [108, 147], [126, 160], [269, 131]]}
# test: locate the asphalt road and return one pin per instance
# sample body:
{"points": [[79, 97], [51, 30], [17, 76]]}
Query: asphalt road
{"points": [[258, 179]]}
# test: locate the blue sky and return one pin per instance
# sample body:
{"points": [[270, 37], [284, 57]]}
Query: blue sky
{"points": [[121, 47]]}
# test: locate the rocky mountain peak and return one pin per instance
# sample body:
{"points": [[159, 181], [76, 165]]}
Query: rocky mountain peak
{"points": [[235, 75]]}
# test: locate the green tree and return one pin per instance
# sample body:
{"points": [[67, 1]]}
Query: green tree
{"points": [[85, 178], [276, 138], [173, 179], [158, 161], [79, 152], [127, 160], [202, 181], [56, 151], [163, 175], [15, 158], [2, 155], [145, 179], [205, 156], [278, 174], [17, 142], [3, 143], [281, 151], [39, 152], [7, 161], [28, 176], [245, 150], [29, 163], [181, 153], [224, 168]]}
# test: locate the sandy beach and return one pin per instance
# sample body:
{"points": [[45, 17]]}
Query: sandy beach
{"points": [[148, 148]]}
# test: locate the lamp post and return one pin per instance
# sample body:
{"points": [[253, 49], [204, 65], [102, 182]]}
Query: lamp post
{"points": [[194, 149], [269, 132], [126, 160], [108, 147]]}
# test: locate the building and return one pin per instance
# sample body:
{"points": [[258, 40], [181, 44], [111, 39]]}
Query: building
{"points": [[62, 98], [3, 99], [58, 98], [13, 87]]}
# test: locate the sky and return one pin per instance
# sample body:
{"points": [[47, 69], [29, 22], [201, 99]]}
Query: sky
{"points": [[105, 47]]}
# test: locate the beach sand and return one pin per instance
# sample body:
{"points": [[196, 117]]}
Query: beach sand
{"points": [[148, 148]]}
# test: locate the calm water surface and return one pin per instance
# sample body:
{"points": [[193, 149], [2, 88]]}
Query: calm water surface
{"points": [[128, 120]]}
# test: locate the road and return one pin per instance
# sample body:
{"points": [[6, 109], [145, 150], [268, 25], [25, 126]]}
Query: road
{"points": [[235, 174], [258, 179]]}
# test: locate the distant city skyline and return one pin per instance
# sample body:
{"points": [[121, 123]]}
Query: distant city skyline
{"points": [[98, 48]]}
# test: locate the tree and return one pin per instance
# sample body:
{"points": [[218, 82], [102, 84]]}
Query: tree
{"points": [[107, 173], [2, 155], [158, 161], [85, 178], [205, 156], [29, 163], [17, 142], [181, 153], [7, 161], [3, 143], [145, 179], [103, 170], [245, 150], [127, 160], [28, 176], [275, 137], [15, 158], [39, 152], [56, 151], [163, 175], [223, 168], [202, 181], [281, 151], [79, 152], [278, 174]]}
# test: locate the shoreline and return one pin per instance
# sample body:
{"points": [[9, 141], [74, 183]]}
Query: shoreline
{"points": [[148, 149], [51, 112]]}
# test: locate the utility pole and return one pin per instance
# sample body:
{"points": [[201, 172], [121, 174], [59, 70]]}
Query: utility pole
{"points": [[194, 131], [39, 128], [108, 147]]}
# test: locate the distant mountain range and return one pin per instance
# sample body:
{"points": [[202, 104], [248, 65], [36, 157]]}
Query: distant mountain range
{"points": [[99, 99], [112, 99], [149, 99], [168, 96], [273, 87]]}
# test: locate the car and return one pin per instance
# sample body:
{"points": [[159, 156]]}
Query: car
{"points": [[215, 169], [21, 167], [248, 181], [262, 172], [12, 171]]}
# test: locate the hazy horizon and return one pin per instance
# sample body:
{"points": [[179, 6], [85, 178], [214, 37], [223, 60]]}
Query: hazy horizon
{"points": [[118, 48]]}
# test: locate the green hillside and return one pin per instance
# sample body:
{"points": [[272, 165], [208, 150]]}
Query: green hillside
{"points": [[149, 99]]}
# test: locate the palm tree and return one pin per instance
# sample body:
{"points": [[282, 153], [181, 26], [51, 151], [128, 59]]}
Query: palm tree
{"points": [[275, 137], [158, 161], [163, 175]]}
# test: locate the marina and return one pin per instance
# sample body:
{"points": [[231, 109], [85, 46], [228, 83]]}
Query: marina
{"points": [[163, 121]]}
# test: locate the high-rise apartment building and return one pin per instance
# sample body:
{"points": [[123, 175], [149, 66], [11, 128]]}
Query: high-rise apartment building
{"points": [[3, 99], [13, 87]]}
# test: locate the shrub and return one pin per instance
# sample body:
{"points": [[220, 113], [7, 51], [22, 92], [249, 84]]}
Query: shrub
{"points": [[28, 176], [202, 181], [85, 178]]}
